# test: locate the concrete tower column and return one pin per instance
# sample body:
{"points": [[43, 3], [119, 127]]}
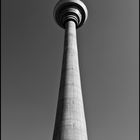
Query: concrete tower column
{"points": [[70, 121]]}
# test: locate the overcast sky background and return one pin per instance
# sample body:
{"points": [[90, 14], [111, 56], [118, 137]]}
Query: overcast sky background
{"points": [[32, 48]]}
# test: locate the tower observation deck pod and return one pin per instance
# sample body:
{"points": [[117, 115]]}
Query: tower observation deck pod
{"points": [[70, 10]]}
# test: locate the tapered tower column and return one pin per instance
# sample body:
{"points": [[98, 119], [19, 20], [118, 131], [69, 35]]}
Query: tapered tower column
{"points": [[70, 121]]}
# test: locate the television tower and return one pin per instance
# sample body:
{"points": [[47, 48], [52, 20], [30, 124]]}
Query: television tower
{"points": [[70, 121]]}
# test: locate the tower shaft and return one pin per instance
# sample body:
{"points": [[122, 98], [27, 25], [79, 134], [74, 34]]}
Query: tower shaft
{"points": [[70, 121], [70, 118]]}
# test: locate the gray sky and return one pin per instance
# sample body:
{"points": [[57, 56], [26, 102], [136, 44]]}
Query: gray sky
{"points": [[32, 48]]}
